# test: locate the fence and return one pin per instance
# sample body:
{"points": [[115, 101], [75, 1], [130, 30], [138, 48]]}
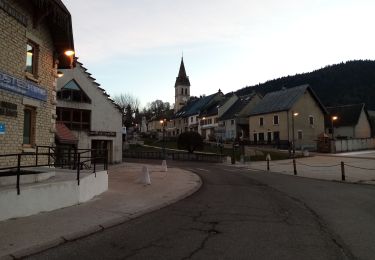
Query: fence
{"points": [[340, 167], [78, 159], [347, 145], [182, 156]]}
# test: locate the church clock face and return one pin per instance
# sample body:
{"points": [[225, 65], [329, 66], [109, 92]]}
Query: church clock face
{"points": [[184, 99]]}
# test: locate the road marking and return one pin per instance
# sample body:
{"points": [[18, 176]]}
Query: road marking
{"points": [[202, 169]]}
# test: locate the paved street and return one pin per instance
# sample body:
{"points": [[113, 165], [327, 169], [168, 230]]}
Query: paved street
{"points": [[236, 216]]}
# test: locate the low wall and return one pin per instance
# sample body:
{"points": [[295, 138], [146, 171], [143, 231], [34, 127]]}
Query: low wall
{"points": [[41, 197], [353, 145]]}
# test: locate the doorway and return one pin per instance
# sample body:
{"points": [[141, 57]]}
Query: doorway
{"points": [[99, 148]]}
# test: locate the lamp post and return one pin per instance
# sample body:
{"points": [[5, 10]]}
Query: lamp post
{"points": [[294, 114], [162, 122], [333, 119]]}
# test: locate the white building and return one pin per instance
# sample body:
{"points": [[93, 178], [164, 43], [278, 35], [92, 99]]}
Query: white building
{"points": [[86, 110]]}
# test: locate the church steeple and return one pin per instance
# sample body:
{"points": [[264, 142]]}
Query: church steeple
{"points": [[182, 78], [182, 88]]}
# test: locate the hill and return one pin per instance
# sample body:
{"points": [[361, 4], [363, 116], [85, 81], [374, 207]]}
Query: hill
{"points": [[340, 84]]}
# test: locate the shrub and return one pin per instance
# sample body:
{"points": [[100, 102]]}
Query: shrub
{"points": [[190, 141]]}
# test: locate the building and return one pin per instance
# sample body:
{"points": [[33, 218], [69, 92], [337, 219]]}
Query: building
{"points": [[88, 112], [352, 121], [234, 122], [36, 42], [181, 88], [280, 114]]}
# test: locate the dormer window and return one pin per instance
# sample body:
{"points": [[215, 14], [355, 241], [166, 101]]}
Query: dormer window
{"points": [[72, 92]]}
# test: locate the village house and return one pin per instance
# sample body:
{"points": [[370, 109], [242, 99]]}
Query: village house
{"points": [[234, 123], [348, 121], [36, 42], [87, 111], [283, 113]]}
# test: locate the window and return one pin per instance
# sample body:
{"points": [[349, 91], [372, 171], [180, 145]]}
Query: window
{"points": [[185, 91], [311, 120], [232, 122], [191, 119], [29, 126], [182, 91], [255, 137], [261, 121], [276, 136], [299, 135], [261, 137], [74, 119], [269, 137], [31, 58], [275, 119], [72, 92]]}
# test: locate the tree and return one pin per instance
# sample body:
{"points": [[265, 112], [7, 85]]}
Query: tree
{"points": [[190, 141], [129, 105]]}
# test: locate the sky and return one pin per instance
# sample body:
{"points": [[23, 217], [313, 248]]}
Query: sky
{"points": [[135, 46]]}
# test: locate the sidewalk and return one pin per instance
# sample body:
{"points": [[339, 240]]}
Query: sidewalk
{"points": [[124, 200], [357, 169]]}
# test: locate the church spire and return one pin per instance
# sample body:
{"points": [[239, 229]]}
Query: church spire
{"points": [[182, 78]]}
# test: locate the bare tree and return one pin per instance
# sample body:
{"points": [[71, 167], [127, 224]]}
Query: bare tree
{"points": [[125, 99]]}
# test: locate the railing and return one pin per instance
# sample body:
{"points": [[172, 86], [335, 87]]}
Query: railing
{"points": [[182, 156], [75, 159]]}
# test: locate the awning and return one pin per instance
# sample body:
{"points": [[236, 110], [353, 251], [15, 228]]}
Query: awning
{"points": [[64, 135]]}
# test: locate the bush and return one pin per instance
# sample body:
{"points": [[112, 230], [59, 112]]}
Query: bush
{"points": [[190, 141]]}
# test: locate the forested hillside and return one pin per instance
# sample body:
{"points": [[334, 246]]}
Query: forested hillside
{"points": [[346, 83]]}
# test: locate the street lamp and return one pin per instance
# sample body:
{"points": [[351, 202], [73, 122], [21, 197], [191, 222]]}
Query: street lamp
{"points": [[294, 114], [333, 118], [163, 122]]}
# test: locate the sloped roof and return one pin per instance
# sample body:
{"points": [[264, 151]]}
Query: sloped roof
{"points": [[283, 100], [182, 78], [237, 107], [64, 135], [196, 106], [60, 23], [348, 115]]}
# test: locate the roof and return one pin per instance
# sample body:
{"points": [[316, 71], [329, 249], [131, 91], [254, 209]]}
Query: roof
{"points": [[60, 22], [182, 78], [64, 135], [348, 115], [283, 100], [237, 107]]}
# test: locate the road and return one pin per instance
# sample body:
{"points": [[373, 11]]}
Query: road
{"points": [[239, 214]]}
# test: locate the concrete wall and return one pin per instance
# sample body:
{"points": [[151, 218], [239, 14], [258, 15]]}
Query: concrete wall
{"points": [[348, 145], [14, 37], [50, 196], [104, 115]]}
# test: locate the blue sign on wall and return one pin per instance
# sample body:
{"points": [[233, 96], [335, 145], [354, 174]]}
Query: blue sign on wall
{"points": [[2, 128], [23, 87]]}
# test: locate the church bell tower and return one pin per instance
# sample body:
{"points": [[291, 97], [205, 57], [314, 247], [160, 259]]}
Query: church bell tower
{"points": [[182, 88]]}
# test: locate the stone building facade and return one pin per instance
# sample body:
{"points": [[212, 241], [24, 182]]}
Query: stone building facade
{"points": [[34, 36]]}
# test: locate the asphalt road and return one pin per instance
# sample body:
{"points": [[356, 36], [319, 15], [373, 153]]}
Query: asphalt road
{"points": [[239, 214]]}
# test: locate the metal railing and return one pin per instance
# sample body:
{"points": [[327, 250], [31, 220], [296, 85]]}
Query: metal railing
{"points": [[182, 156], [74, 159]]}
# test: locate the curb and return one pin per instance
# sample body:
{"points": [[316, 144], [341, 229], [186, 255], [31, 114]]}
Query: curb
{"points": [[101, 227]]}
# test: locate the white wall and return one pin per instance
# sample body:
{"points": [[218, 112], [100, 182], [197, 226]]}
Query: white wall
{"points": [[348, 145], [50, 196], [104, 115]]}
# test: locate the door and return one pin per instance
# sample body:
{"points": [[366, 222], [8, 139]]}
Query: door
{"points": [[100, 147]]}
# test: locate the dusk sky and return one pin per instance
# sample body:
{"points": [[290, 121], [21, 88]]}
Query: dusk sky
{"points": [[136, 46]]}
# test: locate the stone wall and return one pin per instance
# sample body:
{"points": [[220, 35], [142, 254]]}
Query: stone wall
{"points": [[13, 62]]}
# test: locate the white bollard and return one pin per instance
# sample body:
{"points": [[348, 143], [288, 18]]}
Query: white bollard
{"points": [[164, 166], [145, 176]]}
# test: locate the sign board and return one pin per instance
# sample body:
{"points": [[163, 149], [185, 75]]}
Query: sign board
{"points": [[2, 128], [102, 133], [22, 87]]}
